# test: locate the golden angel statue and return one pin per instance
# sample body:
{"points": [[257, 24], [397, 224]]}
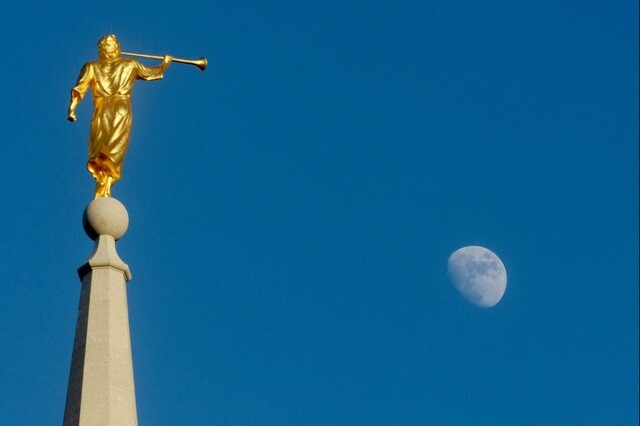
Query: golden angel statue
{"points": [[111, 79]]}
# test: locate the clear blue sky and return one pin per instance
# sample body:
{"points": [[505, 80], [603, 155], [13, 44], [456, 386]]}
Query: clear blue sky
{"points": [[293, 208]]}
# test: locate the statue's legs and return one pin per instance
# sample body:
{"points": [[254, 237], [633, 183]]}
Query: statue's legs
{"points": [[100, 185], [107, 185]]}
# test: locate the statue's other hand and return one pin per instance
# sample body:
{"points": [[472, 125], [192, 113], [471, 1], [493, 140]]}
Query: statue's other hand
{"points": [[167, 60], [71, 116]]}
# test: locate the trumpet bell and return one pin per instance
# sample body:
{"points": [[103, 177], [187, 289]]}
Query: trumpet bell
{"points": [[201, 63]]}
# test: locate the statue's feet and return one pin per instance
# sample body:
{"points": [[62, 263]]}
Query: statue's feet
{"points": [[101, 190], [103, 185]]}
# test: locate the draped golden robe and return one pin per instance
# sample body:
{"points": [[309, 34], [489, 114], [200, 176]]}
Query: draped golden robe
{"points": [[111, 82]]}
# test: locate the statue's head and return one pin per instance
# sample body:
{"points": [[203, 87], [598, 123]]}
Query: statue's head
{"points": [[109, 47]]}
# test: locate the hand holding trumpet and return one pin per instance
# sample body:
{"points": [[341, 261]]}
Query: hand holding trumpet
{"points": [[166, 61]]}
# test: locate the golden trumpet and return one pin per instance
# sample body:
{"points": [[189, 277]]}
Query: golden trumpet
{"points": [[200, 63]]}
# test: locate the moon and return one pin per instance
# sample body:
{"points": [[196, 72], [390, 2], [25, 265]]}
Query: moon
{"points": [[478, 274]]}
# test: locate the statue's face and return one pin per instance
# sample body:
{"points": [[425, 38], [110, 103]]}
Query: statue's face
{"points": [[109, 47]]}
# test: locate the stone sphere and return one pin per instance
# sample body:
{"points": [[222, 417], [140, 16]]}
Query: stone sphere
{"points": [[105, 216]]}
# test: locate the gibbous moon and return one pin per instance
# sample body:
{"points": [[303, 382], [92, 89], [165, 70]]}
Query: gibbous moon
{"points": [[478, 274]]}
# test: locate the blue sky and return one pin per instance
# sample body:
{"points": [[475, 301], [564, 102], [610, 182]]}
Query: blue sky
{"points": [[293, 208]]}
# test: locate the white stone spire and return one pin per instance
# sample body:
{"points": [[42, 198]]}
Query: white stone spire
{"points": [[101, 389]]}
